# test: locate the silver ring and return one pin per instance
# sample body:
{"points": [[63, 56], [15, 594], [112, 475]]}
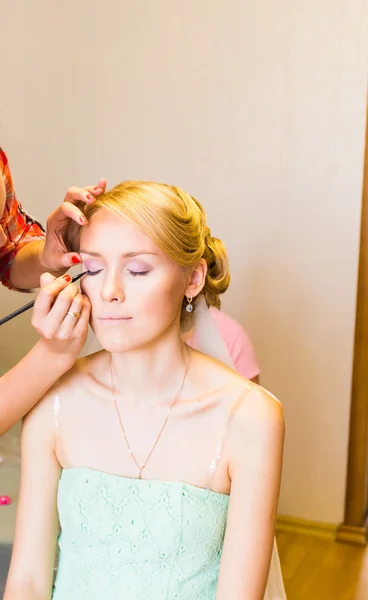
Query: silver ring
{"points": [[73, 314]]}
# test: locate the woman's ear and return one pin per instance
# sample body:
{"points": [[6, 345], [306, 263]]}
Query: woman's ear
{"points": [[197, 280]]}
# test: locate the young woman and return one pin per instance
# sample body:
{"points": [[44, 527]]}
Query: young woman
{"points": [[145, 452]]}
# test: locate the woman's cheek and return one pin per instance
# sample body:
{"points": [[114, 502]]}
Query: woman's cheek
{"points": [[87, 290], [87, 287]]}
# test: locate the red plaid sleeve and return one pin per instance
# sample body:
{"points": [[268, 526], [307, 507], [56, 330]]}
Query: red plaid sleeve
{"points": [[19, 227]]}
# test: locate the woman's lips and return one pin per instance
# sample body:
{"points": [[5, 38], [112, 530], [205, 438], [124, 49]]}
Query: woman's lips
{"points": [[113, 319]]}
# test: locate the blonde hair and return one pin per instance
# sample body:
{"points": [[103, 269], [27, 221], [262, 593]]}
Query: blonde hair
{"points": [[174, 220]]}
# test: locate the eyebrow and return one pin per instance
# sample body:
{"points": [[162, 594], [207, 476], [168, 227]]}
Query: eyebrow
{"points": [[125, 255]]}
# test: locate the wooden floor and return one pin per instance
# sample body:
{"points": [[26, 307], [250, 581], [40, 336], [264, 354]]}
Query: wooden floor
{"points": [[320, 569]]}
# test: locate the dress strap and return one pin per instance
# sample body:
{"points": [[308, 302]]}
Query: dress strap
{"points": [[220, 446], [58, 429]]}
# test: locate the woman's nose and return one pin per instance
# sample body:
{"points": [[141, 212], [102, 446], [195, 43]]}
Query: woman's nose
{"points": [[112, 289]]}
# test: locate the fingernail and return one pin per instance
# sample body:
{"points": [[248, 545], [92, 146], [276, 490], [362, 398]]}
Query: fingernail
{"points": [[67, 277], [82, 220], [96, 188], [89, 197], [76, 260]]}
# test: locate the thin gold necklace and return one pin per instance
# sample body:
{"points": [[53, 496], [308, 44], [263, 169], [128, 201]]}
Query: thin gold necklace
{"points": [[142, 467]]}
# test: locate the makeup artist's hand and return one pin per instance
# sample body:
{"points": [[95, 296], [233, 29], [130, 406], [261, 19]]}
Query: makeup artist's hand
{"points": [[55, 317], [54, 256]]}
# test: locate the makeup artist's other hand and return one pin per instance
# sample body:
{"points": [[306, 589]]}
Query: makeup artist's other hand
{"points": [[55, 317], [54, 256]]}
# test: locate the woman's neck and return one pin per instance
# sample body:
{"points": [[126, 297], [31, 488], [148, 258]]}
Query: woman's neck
{"points": [[187, 335], [150, 372]]}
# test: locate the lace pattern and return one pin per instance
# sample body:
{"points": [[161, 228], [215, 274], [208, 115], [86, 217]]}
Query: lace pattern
{"points": [[137, 539]]}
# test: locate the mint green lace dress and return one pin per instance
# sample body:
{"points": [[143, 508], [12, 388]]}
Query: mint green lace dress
{"points": [[127, 539]]}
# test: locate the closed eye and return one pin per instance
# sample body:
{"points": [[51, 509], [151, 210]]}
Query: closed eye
{"points": [[135, 273], [132, 273]]}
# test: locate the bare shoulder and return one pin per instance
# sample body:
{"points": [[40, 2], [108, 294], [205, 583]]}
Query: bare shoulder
{"points": [[257, 426], [253, 408], [214, 375], [260, 405], [215, 372], [250, 401]]}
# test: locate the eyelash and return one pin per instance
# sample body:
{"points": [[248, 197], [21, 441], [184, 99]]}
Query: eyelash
{"points": [[137, 273], [133, 273]]}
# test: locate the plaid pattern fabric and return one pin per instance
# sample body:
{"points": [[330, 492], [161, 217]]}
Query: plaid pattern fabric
{"points": [[19, 227]]}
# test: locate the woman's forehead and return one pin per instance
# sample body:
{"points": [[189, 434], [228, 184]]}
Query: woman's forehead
{"points": [[110, 233]]}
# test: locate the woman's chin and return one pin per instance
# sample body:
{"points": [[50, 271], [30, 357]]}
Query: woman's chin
{"points": [[116, 342], [118, 339]]}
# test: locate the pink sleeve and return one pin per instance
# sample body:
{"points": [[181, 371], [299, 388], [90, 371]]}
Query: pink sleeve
{"points": [[238, 344]]}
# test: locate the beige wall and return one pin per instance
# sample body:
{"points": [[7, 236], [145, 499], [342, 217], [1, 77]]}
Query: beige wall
{"points": [[258, 109]]}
